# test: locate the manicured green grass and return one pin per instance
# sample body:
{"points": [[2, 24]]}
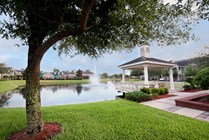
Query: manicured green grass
{"points": [[10, 85], [115, 120], [13, 84]]}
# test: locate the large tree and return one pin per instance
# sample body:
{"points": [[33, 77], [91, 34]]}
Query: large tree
{"points": [[90, 27]]}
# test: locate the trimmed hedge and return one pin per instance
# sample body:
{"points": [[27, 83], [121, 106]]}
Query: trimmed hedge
{"points": [[138, 96], [155, 90], [160, 91], [145, 90], [165, 90]]}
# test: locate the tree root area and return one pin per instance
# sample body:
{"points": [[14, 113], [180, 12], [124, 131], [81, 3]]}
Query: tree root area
{"points": [[49, 131]]}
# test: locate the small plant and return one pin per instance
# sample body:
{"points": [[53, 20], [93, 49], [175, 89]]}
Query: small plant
{"points": [[137, 96], [190, 81], [187, 87], [145, 90]]}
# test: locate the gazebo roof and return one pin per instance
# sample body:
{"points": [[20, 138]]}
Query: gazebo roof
{"points": [[138, 63]]}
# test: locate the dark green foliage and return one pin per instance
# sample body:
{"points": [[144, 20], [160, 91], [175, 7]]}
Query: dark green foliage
{"points": [[187, 87], [191, 70], [202, 78], [155, 90], [145, 90], [112, 25], [136, 73], [190, 81], [79, 73], [137, 96], [165, 90], [161, 91]]}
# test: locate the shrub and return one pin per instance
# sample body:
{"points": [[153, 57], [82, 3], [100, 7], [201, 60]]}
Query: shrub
{"points": [[145, 90], [187, 87], [155, 90], [202, 78], [165, 90], [190, 81], [161, 91], [137, 96]]}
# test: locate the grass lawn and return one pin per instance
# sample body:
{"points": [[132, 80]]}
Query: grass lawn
{"points": [[13, 84], [115, 120]]}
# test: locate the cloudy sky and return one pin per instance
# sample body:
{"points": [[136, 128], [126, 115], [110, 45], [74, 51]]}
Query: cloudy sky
{"points": [[17, 56]]}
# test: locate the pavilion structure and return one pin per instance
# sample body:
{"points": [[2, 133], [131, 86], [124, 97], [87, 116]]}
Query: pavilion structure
{"points": [[145, 62]]}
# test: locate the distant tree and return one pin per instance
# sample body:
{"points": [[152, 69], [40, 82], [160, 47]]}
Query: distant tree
{"points": [[89, 27], [79, 73], [116, 75], [201, 62], [175, 73], [104, 75], [155, 73], [136, 73], [56, 70], [191, 70]]}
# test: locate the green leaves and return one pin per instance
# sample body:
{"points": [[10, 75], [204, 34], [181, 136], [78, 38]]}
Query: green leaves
{"points": [[113, 25]]}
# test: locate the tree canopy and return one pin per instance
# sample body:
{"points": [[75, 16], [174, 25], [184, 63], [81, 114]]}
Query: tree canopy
{"points": [[112, 24]]}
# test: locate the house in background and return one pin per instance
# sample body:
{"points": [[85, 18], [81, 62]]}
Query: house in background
{"points": [[64, 75], [87, 73], [13, 74], [181, 69]]}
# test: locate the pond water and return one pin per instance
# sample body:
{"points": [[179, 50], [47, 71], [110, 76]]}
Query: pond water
{"points": [[62, 94]]}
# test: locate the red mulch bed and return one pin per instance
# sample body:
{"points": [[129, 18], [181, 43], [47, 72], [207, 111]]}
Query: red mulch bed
{"points": [[162, 96], [192, 90], [204, 99], [50, 130]]}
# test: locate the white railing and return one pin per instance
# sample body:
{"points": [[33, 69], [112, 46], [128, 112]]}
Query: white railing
{"points": [[129, 86]]}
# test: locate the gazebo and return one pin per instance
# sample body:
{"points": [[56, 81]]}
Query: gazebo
{"points": [[145, 62]]}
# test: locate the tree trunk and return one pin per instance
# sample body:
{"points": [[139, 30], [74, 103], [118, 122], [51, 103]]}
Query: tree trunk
{"points": [[32, 94], [33, 100]]}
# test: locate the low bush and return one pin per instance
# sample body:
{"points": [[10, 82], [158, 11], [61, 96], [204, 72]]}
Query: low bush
{"points": [[165, 90], [190, 81], [155, 90], [145, 90], [161, 91], [187, 87], [137, 96]]}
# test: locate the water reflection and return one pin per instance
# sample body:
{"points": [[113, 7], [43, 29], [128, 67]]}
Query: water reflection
{"points": [[63, 94]]}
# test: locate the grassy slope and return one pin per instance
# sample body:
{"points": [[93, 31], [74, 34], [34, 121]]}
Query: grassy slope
{"points": [[119, 119], [13, 84]]}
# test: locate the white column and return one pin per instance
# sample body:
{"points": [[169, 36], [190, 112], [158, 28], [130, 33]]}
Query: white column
{"points": [[171, 78], [123, 76], [146, 81]]}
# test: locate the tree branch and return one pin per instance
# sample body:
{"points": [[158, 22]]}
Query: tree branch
{"points": [[86, 7], [57, 37]]}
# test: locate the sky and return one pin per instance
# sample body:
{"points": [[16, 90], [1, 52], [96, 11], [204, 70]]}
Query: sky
{"points": [[16, 57]]}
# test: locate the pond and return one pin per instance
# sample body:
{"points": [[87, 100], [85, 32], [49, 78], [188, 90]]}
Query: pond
{"points": [[54, 95]]}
